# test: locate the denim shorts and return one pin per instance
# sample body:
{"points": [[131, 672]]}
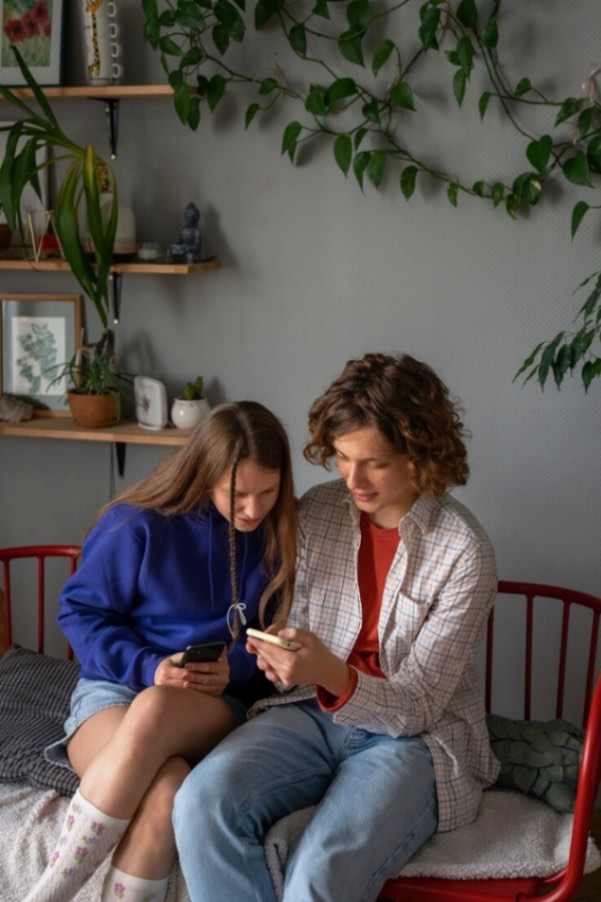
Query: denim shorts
{"points": [[91, 696]]}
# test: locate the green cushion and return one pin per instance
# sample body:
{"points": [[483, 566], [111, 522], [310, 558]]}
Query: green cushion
{"points": [[538, 758]]}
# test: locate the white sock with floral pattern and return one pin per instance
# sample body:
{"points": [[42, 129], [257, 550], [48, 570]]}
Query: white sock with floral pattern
{"points": [[87, 837], [121, 887]]}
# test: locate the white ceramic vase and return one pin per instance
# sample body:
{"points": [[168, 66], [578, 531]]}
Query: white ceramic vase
{"points": [[187, 414]]}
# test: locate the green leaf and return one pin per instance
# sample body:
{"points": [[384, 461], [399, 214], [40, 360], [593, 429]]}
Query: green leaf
{"points": [[430, 23], [580, 345], [465, 54], [322, 9], [263, 13], [577, 170], [479, 188], [483, 103], [591, 370], [593, 153], [561, 364], [193, 57], [452, 192], [360, 164], [375, 169], [569, 108], [359, 136], [401, 94], [297, 37], [181, 101], [349, 44], [250, 114], [339, 89], [290, 139], [408, 181], [359, 14], [523, 86], [267, 86], [490, 35], [190, 15], [467, 13], [316, 101], [459, 85], [169, 47], [578, 214], [538, 152], [217, 85], [381, 55], [227, 14], [529, 360], [498, 193], [343, 152], [194, 113], [547, 358], [371, 111], [151, 22], [585, 121], [221, 38]]}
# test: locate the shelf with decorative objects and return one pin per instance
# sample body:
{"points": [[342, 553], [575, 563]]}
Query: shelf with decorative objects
{"points": [[62, 427]]}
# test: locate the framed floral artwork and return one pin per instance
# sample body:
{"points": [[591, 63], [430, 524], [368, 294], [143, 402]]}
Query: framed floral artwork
{"points": [[39, 333], [35, 27]]}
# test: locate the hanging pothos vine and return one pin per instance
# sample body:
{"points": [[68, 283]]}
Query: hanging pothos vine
{"points": [[199, 42]]}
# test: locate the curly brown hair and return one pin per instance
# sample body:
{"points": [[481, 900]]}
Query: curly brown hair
{"points": [[409, 404]]}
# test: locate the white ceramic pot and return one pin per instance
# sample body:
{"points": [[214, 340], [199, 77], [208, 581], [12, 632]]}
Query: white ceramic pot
{"points": [[187, 414]]}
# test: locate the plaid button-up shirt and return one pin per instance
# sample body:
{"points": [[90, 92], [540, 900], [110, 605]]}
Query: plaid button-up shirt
{"points": [[437, 597]]}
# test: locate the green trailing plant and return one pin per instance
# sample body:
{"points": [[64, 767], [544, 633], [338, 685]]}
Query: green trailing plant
{"points": [[193, 390], [361, 115], [78, 194]]}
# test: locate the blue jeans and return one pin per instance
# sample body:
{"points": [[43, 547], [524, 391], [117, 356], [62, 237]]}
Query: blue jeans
{"points": [[377, 806]]}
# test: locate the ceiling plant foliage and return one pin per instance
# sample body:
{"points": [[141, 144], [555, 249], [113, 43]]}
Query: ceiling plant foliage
{"points": [[363, 71]]}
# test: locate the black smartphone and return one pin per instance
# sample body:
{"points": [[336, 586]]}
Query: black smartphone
{"points": [[209, 651]]}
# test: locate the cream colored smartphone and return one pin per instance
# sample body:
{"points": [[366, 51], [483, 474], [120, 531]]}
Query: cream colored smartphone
{"points": [[275, 640]]}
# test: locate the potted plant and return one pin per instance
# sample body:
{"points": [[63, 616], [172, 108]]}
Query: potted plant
{"points": [[78, 197], [97, 388], [189, 408]]}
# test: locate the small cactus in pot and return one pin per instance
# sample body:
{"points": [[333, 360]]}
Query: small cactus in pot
{"points": [[191, 406]]}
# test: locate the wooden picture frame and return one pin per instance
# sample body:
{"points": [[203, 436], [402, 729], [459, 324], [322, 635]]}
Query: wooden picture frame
{"points": [[38, 333], [38, 33]]}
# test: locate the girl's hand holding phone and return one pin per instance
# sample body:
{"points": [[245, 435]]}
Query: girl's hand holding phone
{"points": [[201, 667]]}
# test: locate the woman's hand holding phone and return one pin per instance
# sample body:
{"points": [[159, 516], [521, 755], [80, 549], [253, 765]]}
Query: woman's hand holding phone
{"points": [[311, 662]]}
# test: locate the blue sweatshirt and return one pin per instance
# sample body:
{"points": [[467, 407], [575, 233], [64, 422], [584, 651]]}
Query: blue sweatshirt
{"points": [[149, 585]]}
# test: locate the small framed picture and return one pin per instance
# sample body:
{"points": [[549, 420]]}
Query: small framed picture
{"points": [[39, 333], [36, 28]]}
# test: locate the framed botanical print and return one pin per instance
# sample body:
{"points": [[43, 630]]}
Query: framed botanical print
{"points": [[39, 333]]}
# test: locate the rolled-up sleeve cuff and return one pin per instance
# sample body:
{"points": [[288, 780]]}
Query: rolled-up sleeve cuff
{"points": [[329, 702]]}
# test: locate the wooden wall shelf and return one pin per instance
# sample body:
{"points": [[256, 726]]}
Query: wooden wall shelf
{"points": [[101, 92], [136, 266], [128, 432]]}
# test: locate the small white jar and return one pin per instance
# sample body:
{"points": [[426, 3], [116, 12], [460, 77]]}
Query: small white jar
{"points": [[187, 414]]}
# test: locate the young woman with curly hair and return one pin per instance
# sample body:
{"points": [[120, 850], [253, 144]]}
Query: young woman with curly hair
{"points": [[380, 725]]}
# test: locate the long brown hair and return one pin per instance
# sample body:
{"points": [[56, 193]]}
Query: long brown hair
{"points": [[408, 403], [182, 482]]}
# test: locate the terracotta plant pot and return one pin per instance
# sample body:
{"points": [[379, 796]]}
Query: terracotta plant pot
{"points": [[5, 234], [94, 411]]}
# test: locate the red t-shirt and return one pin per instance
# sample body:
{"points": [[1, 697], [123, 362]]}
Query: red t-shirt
{"points": [[376, 554]]}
